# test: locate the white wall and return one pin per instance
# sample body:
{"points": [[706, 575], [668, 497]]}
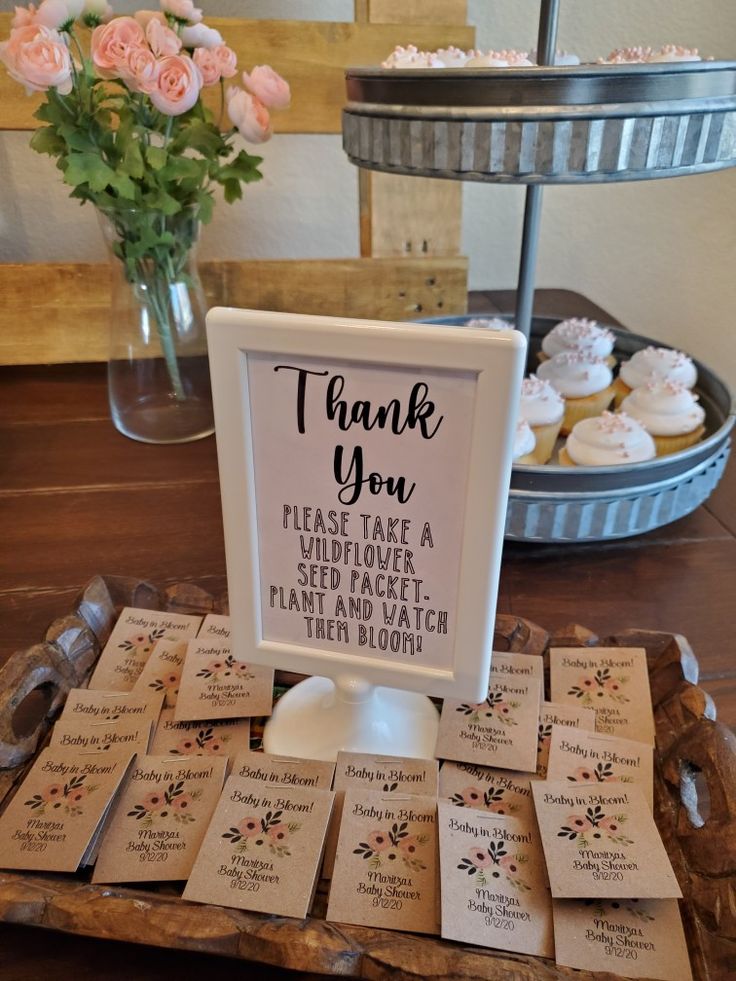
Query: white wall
{"points": [[659, 255]]}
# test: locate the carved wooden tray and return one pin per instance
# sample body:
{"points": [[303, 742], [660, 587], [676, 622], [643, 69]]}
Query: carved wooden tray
{"points": [[695, 809]]}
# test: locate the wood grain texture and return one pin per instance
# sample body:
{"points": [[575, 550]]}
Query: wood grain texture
{"points": [[412, 12], [312, 55], [54, 330], [400, 216], [698, 837]]}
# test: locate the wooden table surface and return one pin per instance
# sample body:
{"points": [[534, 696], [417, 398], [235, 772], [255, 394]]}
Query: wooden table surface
{"points": [[77, 499]]}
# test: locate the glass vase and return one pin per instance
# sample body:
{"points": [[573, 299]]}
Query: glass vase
{"points": [[158, 372]]}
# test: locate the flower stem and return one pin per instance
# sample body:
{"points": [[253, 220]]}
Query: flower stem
{"points": [[159, 304]]}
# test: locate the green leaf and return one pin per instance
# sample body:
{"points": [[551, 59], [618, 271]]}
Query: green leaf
{"points": [[233, 190], [133, 159], [206, 202], [124, 186], [47, 140], [156, 157], [200, 136], [243, 167], [87, 168]]}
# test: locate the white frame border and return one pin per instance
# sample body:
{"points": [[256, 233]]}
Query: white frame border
{"points": [[496, 358]]}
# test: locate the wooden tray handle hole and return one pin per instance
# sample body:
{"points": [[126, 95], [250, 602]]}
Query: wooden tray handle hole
{"points": [[32, 710], [694, 793]]}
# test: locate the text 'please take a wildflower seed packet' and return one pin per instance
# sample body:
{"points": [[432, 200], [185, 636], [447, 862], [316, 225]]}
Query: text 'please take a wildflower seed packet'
{"points": [[132, 642], [263, 849], [160, 819], [612, 680], [601, 842], [494, 890], [386, 867]]}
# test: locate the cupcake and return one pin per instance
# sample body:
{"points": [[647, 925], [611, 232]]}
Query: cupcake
{"points": [[654, 362], [583, 381], [581, 335], [606, 441], [524, 442], [674, 52], [669, 412], [543, 408]]}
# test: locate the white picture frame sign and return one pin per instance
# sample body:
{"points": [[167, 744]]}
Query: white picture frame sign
{"points": [[364, 471]]}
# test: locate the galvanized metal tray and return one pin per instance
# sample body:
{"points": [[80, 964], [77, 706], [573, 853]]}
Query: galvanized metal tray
{"points": [[585, 504], [542, 125]]}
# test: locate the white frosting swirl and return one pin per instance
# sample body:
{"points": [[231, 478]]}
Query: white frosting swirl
{"points": [[541, 404], [664, 408], [578, 334], [609, 440], [576, 375], [524, 440], [658, 362]]}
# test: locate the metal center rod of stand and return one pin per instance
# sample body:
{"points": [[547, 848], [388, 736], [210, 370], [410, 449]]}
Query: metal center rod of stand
{"points": [[546, 45]]}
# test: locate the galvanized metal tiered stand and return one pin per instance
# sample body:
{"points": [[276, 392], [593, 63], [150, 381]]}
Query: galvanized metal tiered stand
{"points": [[564, 125]]}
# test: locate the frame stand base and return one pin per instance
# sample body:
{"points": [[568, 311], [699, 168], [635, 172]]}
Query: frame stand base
{"points": [[318, 717]]}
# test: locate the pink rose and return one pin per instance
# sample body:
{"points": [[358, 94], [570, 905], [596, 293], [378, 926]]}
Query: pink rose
{"points": [[578, 823], [226, 59], [378, 840], [241, 668], [24, 16], [182, 10], [138, 640], [111, 44], [472, 796], [56, 13], [586, 683], [249, 115], [207, 63], [74, 796], [279, 832], [268, 86], [480, 858], [54, 791], [144, 16], [141, 70], [200, 36], [171, 680], [613, 685], [37, 57], [215, 747], [154, 801], [186, 747], [162, 39], [583, 775], [182, 803], [250, 827], [503, 708], [216, 666], [409, 845], [177, 86], [611, 825], [510, 866]]}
